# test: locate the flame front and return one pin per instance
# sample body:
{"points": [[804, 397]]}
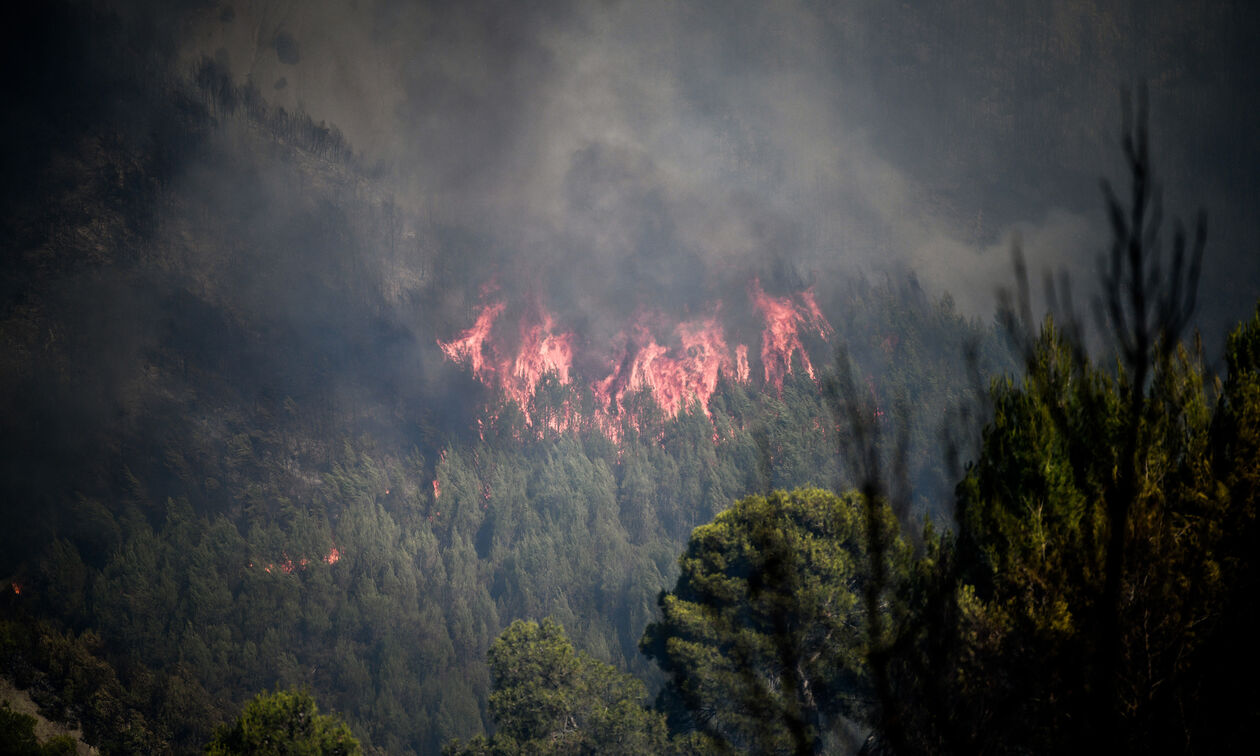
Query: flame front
{"points": [[543, 352], [676, 377], [684, 370], [781, 337], [288, 565], [470, 347]]}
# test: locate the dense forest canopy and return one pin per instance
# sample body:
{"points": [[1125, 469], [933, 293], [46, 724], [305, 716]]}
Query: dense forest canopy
{"points": [[407, 377]]}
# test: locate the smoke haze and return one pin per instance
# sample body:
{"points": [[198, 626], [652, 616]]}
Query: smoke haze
{"points": [[614, 155], [603, 161], [270, 266]]}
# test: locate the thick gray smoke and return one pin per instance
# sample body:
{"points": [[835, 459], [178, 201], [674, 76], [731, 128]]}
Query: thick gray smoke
{"points": [[620, 154], [601, 159]]}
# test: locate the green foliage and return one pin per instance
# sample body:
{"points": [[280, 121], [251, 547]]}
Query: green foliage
{"points": [[17, 737], [284, 723], [764, 636], [178, 443], [1008, 642], [549, 698], [1224, 707], [1030, 552], [184, 455], [68, 680], [1030, 508]]}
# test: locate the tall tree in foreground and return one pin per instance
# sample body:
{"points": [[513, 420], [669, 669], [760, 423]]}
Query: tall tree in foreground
{"points": [[1103, 568], [284, 723], [764, 636], [550, 698]]}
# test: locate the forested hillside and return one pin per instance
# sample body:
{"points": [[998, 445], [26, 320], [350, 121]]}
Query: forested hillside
{"points": [[235, 457], [303, 445]]}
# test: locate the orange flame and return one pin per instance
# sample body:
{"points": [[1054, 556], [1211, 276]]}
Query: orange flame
{"points": [[683, 370], [470, 346], [781, 337], [676, 377], [288, 566], [741, 363], [542, 352]]}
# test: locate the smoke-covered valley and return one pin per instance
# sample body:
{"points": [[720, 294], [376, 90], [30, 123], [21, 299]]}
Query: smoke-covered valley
{"points": [[498, 301]]}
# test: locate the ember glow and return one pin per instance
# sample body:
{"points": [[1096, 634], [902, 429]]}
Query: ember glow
{"points": [[678, 365], [289, 565]]}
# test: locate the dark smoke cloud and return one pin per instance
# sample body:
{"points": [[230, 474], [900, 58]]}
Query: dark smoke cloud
{"points": [[605, 158], [601, 159], [660, 153]]}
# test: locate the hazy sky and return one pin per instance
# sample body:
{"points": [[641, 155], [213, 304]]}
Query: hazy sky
{"points": [[621, 152]]}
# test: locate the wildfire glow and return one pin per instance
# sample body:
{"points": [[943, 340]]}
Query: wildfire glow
{"points": [[676, 376], [685, 368], [542, 351], [781, 337], [470, 346], [288, 565]]}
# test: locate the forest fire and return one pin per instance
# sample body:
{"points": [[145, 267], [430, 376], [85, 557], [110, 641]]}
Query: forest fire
{"points": [[542, 351], [675, 377], [781, 337], [470, 346], [288, 565], [683, 370]]}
